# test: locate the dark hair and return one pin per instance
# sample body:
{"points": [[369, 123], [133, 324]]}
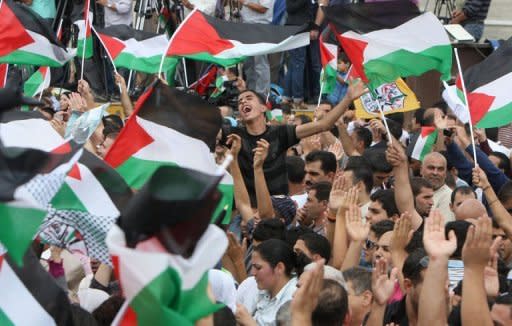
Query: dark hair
{"points": [[361, 171], [417, 183], [505, 193], [461, 229], [395, 128], [416, 241], [107, 311], [382, 227], [303, 118], [418, 115], [377, 160], [324, 101], [224, 316], [327, 159], [295, 169], [293, 233], [332, 306], [364, 135], [463, 190], [260, 97], [504, 162], [317, 244], [386, 197], [323, 189], [274, 251], [397, 117], [361, 279], [286, 108], [272, 228], [414, 264]]}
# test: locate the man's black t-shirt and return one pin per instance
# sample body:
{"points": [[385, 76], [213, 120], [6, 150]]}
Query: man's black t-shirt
{"points": [[396, 312], [280, 139]]}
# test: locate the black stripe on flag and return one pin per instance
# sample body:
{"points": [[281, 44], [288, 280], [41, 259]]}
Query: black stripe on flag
{"points": [[186, 113], [368, 17], [254, 33], [125, 32], [498, 64]]}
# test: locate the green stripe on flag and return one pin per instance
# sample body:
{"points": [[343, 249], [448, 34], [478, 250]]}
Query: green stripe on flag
{"points": [[32, 84], [18, 225], [429, 144], [226, 201], [225, 62], [67, 199], [4, 320], [29, 58], [389, 67], [149, 65], [136, 172], [163, 302], [328, 79], [88, 47], [496, 117]]}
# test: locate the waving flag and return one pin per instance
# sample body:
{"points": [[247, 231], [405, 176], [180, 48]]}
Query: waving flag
{"points": [[38, 82], [205, 38], [382, 56], [26, 39], [488, 86], [329, 58], [424, 143], [84, 33]]}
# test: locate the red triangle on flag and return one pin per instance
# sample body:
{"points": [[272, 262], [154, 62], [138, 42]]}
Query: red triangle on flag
{"points": [[196, 35], [62, 149], [425, 131], [325, 55], [479, 103], [75, 172], [113, 45], [4, 67], [1, 261], [13, 34], [355, 52]]}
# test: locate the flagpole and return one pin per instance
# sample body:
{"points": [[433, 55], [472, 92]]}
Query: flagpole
{"points": [[85, 39], [109, 57], [466, 104], [172, 38], [185, 72], [320, 94], [385, 121]]}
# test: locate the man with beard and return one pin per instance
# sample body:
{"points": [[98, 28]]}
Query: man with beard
{"points": [[423, 193], [320, 166]]}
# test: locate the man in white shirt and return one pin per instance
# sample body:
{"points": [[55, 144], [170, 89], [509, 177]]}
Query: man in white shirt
{"points": [[117, 12], [257, 68], [433, 170]]}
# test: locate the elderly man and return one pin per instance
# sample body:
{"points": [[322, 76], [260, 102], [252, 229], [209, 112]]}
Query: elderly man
{"points": [[433, 170]]}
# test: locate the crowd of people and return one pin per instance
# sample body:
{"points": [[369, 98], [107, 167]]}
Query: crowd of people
{"points": [[335, 223]]}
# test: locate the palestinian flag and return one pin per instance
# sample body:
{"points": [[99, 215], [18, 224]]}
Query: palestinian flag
{"points": [[205, 38], [84, 33], [368, 17], [26, 39], [38, 82], [203, 83], [133, 49], [382, 56], [424, 143], [86, 207], [162, 288], [329, 58], [35, 298], [4, 69], [169, 127], [488, 87]]}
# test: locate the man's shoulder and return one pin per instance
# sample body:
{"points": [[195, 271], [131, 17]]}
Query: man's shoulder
{"points": [[444, 190]]}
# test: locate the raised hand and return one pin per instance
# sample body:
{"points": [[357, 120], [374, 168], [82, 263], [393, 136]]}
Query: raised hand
{"points": [[480, 178], [434, 239], [337, 194], [356, 89], [402, 232], [77, 102], [476, 251], [395, 154], [336, 149], [120, 81], [356, 228], [382, 285], [305, 299], [440, 120], [260, 153], [491, 280], [236, 144], [236, 251], [311, 143]]}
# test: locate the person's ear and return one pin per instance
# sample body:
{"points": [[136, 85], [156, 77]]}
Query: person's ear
{"points": [[407, 284], [331, 175], [367, 298], [280, 268]]}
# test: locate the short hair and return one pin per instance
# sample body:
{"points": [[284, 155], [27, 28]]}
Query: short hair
{"points": [[377, 160], [272, 228], [460, 228], [363, 134], [260, 97], [317, 244], [332, 306], [382, 227], [504, 162], [274, 251], [323, 190], [386, 197], [361, 171], [505, 193], [361, 279], [416, 262], [395, 128], [327, 159], [463, 190], [295, 169], [326, 102], [224, 316], [417, 183], [418, 116], [303, 118], [293, 233], [397, 117]]}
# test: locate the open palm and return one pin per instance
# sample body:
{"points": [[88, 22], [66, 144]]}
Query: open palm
{"points": [[434, 240]]}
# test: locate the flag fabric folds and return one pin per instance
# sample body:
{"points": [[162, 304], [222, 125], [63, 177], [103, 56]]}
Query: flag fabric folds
{"points": [[382, 56], [329, 58], [205, 38], [26, 39], [488, 88]]}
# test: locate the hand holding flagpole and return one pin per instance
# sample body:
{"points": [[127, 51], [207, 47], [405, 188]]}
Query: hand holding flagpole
{"points": [[466, 103]]}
